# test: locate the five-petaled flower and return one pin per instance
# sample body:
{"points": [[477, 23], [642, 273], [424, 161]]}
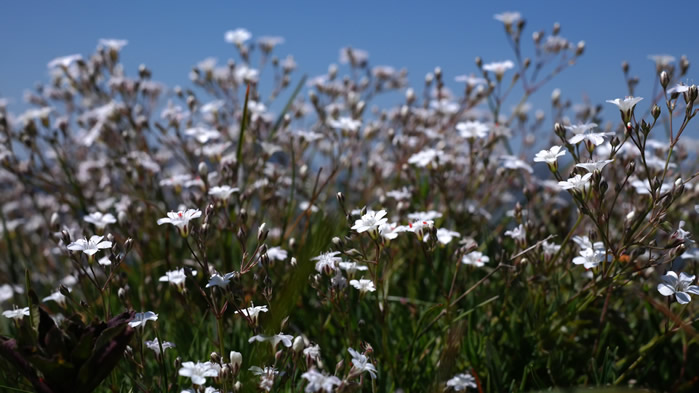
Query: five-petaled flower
{"points": [[176, 277], [550, 156], [198, 372], [360, 363], [475, 258], [461, 382], [181, 219], [140, 318], [576, 183], [370, 221], [363, 285], [99, 219], [91, 246], [318, 381], [680, 286]]}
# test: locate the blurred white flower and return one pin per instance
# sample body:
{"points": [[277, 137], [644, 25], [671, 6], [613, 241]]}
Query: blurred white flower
{"points": [[16, 314], [176, 277], [426, 157], [113, 44], [345, 124], [499, 68], [237, 36], [589, 258], [141, 318], [285, 339], [56, 297], [475, 258], [461, 382], [252, 312], [154, 345], [594, 166], [518, 233], [202, 134], [327, 262], [223, 192], [363, 285], [508, 17], [64, 61], [320, 382], [472, 129], [512, 162], [352, 267], [99, 219], [198, 372], [680, 286], [576, 182]]}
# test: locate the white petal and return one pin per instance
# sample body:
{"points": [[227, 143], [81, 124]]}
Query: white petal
{"points": [[683, 297], [665, 290]]}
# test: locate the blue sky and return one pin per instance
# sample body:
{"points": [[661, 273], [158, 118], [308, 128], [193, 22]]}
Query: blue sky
{"points": [[171, 36]]}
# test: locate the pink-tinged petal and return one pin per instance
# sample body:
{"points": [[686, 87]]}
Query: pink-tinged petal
{"points": [[666, 290], [683, 297]]}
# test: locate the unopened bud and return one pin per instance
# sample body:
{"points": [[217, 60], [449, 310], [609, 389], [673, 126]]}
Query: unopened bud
{"points": [[262, 233], [655, 111], [203, 169], [298, 344], [664, 79], [215, 358], [55, 220]]}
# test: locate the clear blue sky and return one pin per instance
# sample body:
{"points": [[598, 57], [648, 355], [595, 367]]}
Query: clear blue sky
{"points": [[171, 36]]}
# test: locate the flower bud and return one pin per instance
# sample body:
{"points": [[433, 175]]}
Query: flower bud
{"points": [[298, 344], [655, 111], [215, 358], [664, 79], [262, 234], [236, 359]]}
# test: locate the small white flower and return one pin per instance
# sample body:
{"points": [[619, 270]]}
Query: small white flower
{"points": [[361, 363], [6, 292], [176, 277], [626, 106], [445, 236], [508, 18], [56, 297], [99, 219], [576, 182], [390, 231], [202, 134], [550, 156], [363, 285], [582, 133], [237, 36], [427, 157], [327, 262], [141, 318], [285, 339], [277, 254], [499, 68], [253, 312], [16, 314], [370, 221], [680, 286], [512, 162], [218, 280], [198, 372], [352, 267], [113, 44], [461, 382], [222, 192], [472, 129], [180, 219], [594, 166], [64, 61], [550, 249], [680, 234], [345, 124], [475, 258], [589, 258], [154, 345], [318, 381], [91, 246], [518, 233]]}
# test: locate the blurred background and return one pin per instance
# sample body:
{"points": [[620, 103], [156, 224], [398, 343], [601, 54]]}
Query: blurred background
{"points": [[171, 37]]}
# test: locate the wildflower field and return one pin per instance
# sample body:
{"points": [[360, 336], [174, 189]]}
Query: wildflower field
{"points": [[256, 229]]}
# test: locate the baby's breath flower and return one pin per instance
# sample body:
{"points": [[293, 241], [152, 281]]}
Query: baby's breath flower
{"points": [[626, 106], [576, 183], [518, 233], [550, 156], [589, 258], [285, 339], [594, 166], [475, 258], [252, 312], [363, 285], [202, 134], [176, 277], [56, 297], [361, 364], [327, 262], [222, 192], [100, 220], [154, 345], [91, 246], [472, 129], [16, 314], [180, 219], [462, 382], [318, 381], [680, 286], [370, 221], [237, 36], [141, 318], [198, 372], [352, 267]]}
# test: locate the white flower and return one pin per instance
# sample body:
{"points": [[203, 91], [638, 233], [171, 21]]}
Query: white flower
{"points": [[370, 221], [399, 195], [470, 80], [113, 44], [277, 254], [550, 156], [253, 312], [327, 262], [222, 192], [56, 297], [352, 267], [475, 258], [218, 280], [140, 318], [180, 219], [361, 363], [312, 352], [318, 381], [512, 162], [345, 124], [198, 372], [391, 231], [419, 228], [509, 17], [202, 134], [16, 314], [472, 129], [425, 216], [679, 286], [589, 258], [266, 376], [64, 61], [680, 234], [584, 242], [237, 36], [99, 219], [6, 292], [576, 182], [176, 277], [662, 60], [499, 68], [105, 261], [550, 248], [445, 236], [363, 285], [285, 339], [90, 247], [518, 233], [154, 345], [582, 132], [426, 158], [594, 166], [625, 106], [461, 382]]}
